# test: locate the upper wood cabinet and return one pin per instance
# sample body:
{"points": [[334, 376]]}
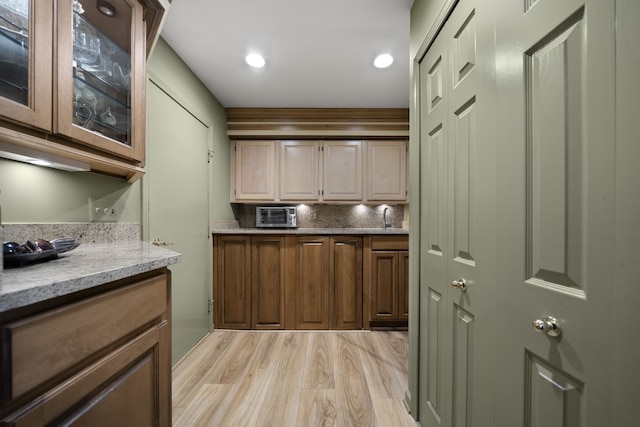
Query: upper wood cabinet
{"points": [[253, 170], [386, 170], [318, 171], [101, 77], [342, 170], [72, 84], [26, 54], [299, 170]]}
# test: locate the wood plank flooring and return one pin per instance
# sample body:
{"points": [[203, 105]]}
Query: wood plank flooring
{"points": [[292, 378]]}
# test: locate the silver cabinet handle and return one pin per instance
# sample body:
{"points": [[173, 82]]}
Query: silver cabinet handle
{"points": [[547, 325], [459, 284]]}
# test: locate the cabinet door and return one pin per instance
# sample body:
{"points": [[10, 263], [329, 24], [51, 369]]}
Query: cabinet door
{"points": [[346, 282], [312, 304], [267, 282], [35, 358], [26, 57], [122, 387], [403, 285], [233, 275], [384, 285], [255, 170], [342, 177], [386, 170], [299, 177], [101, 77]]}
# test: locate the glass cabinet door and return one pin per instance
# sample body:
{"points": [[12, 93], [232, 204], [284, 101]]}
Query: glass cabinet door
{"points": [[26, 61], [101, 74]]}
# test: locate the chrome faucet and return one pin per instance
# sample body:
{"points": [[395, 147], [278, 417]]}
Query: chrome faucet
{"points": [[385, 224]]}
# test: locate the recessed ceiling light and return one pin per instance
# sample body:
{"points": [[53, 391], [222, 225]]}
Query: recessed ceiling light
{"points": [[106, 8], [255, 60], [383, 61]]}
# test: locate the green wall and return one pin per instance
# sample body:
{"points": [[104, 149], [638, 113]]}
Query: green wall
{"points": [[31, 194], [37, 194], [165, 65]]}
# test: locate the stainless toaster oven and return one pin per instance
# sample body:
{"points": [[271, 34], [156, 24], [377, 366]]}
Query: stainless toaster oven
{"points": [[276, 217]]}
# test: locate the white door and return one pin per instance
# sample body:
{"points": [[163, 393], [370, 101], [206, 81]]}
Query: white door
{"points": [[556, 211], [457, 290], [177, 180]]}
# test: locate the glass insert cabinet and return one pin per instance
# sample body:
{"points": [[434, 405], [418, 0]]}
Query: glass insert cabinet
{"points": [[76, 70]]}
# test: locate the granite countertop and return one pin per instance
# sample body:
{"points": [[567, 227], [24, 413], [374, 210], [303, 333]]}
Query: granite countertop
{"points": [[91, 264], [349, 231]]}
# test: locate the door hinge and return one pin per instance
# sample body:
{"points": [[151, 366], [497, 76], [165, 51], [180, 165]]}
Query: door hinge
{"points": [[210, 306], [210, 155]]}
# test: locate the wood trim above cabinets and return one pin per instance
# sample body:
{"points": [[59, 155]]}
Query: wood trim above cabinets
{"points": [[316, 123]]}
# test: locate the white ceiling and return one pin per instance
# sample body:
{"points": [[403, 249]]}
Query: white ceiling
{"points": [[319, 53]]}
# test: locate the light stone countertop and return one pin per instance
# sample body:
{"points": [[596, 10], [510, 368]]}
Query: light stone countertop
{"points": [[314, 231], [89, 265]]}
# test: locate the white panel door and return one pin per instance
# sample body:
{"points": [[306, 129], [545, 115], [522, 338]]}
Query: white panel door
{"points": [[457, 170], [556, 211]]}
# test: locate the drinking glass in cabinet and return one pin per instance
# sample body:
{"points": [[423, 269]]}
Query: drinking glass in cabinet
{"points": [[14, 50], [102, 68]]}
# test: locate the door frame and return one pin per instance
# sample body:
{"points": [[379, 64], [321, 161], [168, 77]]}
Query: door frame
{"points": [[412, 398], [154, 79]]}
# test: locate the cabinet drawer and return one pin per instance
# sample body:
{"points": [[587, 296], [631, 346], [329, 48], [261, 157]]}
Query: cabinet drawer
{"points": [[65, 339], [95, 393], [390, 243]]}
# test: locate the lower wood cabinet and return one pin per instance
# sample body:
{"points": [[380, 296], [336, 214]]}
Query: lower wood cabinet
{"points": [[232, 281], [83, 360], [288, 282], [310, 285], [267, 282], [387, 281], [328, 282], [346, 281]]}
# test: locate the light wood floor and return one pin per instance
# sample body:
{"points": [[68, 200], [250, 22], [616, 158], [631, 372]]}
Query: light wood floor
{"points": [[291, 378]]}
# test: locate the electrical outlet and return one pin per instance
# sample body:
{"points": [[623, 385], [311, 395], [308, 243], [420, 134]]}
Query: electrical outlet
{"points": [[105, 209]]}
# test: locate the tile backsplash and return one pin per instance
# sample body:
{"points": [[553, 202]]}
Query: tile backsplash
{"points": [[330, 216]]}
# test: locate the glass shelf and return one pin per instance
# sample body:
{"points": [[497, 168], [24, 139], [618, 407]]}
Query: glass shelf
{"points": [[102, 82], [14, 52]]}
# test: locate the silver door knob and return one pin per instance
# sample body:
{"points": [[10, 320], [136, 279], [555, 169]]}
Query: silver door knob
{"points": [[547, 325], [459, 284]]}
